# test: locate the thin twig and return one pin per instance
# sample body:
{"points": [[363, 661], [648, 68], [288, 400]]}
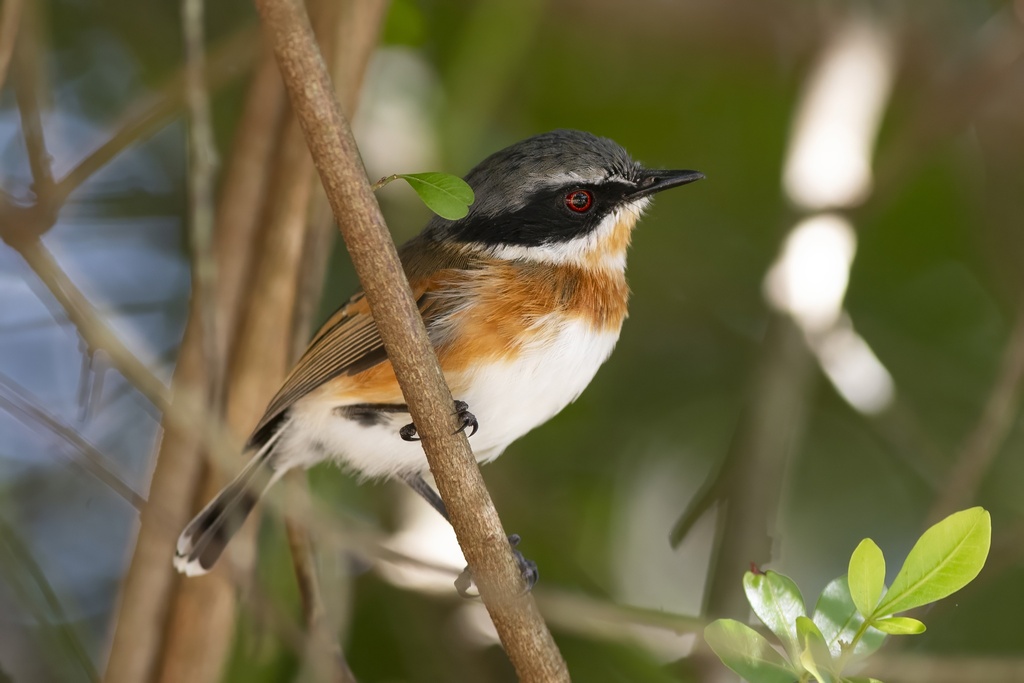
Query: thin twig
{"points": [[17, 401], [323, 649], [232, 58], [89, 324], [50, 613], [202, 166], [768, 434], [521, 628], [983, 444]]}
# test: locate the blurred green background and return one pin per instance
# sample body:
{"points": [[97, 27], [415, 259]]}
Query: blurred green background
{"points": [[708, 371]]}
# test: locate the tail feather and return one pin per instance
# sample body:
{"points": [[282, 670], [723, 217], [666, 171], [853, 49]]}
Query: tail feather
{"points": [[204, 539]]}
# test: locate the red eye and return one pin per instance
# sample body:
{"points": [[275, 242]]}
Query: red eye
{"points": [[579, 200]]}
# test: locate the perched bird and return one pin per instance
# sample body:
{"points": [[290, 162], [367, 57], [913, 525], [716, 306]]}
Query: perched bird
{"points": [[523, 299]]}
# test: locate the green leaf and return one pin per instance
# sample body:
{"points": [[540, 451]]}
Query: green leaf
{"points": [[899, 626], [814, 656], [838, 619], [867, 576], [945, 559], [777, 602], [446, 195], [861, 679], [747, 652]]}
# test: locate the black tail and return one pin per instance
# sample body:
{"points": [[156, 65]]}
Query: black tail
{"points": [[206, 536]]}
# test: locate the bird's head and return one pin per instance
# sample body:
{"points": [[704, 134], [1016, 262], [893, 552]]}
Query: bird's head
{"points": [[564, 197]]}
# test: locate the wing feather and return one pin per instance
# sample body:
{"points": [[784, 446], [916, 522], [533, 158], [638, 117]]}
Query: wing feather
{"points": [[348, 342]]}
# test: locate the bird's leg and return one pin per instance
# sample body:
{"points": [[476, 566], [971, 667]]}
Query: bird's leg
{"points": [[427, 492], [466, 419], [464, 583]]}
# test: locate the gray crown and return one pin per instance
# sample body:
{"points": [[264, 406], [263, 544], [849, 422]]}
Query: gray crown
{"points": [[507, 179]]}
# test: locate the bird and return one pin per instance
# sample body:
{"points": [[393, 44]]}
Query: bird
{"points": [[523, 300]]}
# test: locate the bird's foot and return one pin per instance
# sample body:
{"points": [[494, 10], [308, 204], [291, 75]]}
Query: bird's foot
{"points": [[466, 587], [466, 419]]}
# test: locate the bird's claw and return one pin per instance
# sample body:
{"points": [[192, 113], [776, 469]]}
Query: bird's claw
{"points": [[408, 433], [466, 587], [466, 419]]}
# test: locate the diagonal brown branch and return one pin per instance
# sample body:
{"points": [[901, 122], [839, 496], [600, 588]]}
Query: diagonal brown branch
{"points": [[522, 630]]}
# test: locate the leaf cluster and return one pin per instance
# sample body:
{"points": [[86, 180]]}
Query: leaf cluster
{"points": [[856, 612]]}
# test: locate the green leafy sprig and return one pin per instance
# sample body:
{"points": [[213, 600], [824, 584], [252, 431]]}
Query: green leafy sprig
{"points": [[855, 612]]}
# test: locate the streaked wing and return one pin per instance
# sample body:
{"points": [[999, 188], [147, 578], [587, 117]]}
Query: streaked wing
{"points": [[348, 343]]}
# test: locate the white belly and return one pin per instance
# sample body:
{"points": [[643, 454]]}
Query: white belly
{"points": [[508, 400]]}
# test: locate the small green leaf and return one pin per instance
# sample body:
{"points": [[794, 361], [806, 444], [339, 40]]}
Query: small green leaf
{"points": [[867, 576], [446, 195], [839, 621], [861, 679], [747, 652], [814, 656], [777, 602], [945, 559], [899, 626]]}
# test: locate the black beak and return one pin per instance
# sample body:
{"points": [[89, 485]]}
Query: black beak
{"points": [[656, 180]]}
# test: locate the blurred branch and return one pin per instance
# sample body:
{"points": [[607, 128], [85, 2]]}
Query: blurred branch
{"points": [[202, 164], [594, 617], [10, 18], [347, 33], [323, 650], [143, 618], [915, 668], [114, 309], [16, 400], [516, 618], [765, 439], [983, 444], [203, 612], [201, 624], [44, 606], [230, 59], [948, 106], [26, 66], [20, 227], [149, 590], [713, 489], [96, 333]]}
